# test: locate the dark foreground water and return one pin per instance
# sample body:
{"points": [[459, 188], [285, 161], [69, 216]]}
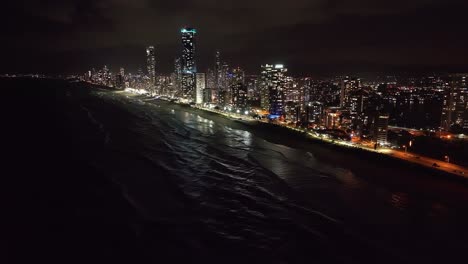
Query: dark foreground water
{"points": [[147, 181]]}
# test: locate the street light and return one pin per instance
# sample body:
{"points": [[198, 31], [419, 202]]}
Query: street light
{"points": [[406, 149], [447, 158]]}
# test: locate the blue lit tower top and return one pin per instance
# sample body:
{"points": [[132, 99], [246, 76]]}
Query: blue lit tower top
{"points": [[188, 50]]}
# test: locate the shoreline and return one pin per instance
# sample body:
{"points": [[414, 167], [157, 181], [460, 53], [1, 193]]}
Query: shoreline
{"points": [[335, 145]]}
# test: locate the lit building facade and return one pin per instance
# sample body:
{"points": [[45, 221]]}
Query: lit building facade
{"points": [[455, 104], [188, 64], [348, 85], [314, 112], [201, 85], [236, 86], [208, 95], [332, 117], [381, 129], [217, 73], [151, 64], [273, 80], [239, 96]]}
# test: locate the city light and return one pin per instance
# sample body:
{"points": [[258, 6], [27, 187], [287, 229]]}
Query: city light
{"points": [[361, 119], [283, 132]]}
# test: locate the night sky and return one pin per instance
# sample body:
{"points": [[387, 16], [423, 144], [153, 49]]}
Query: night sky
{"points": [[67, 36]]}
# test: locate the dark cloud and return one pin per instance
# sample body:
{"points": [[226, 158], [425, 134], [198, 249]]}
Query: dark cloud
{"points": [[308, 35]]}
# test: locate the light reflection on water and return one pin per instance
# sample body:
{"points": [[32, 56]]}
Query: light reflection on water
{"points": [[332, 185], [399, 200]]}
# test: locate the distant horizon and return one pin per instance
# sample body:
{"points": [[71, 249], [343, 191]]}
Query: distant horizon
{"points": [[308, 36], [415, 71]]}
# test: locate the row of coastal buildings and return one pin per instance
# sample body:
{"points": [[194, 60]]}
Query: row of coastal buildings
{"points": [[357, 106]]}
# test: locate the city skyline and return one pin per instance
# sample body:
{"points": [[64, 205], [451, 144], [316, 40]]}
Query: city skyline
{"points": [[309, 36], [236, 131]]}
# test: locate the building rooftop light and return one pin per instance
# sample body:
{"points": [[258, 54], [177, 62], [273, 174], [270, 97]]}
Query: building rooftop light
{"points": [[188, 30]]}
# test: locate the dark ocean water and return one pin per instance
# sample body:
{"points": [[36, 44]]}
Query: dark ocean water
{"points": [[203, 188]]}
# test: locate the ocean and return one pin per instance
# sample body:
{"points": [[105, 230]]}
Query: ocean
{"points": [[168, 182]]}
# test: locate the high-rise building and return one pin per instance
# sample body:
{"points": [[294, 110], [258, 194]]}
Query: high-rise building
{"points": [[332, 117], [381, 129], [314, 112], [188, 50], [122, 72], [358, 101], [223, 77], [208, 95], [239, 96], [217, 71], [347, 86], [177, 78], [236, 85], [189, 67], [151, 64], [291, 90], [273, 81], [106, 76], [223, 93], [210, 79], [201, 85], [119, 81], [455, 104]]}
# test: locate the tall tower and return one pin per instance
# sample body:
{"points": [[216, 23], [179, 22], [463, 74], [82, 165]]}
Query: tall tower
{"points": [[272, 88], [344, 91], [455, 104], [348, 85], [217, 72], [151, 64], [381, 129], [238, 89], [189, 67], [201, 85]]}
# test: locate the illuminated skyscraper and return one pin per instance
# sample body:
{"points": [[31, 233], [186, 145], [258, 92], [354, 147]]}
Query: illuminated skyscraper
{"points": [[217, 72], [238, 89], [151, 64], [210, 79], [177, 75], [455, 104], [223, 91], [189, 67], [122, 71], [314, 112], [201, 85], [106, 76], [273, 82], [119, 81], [381, 129], [347, 86]]}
